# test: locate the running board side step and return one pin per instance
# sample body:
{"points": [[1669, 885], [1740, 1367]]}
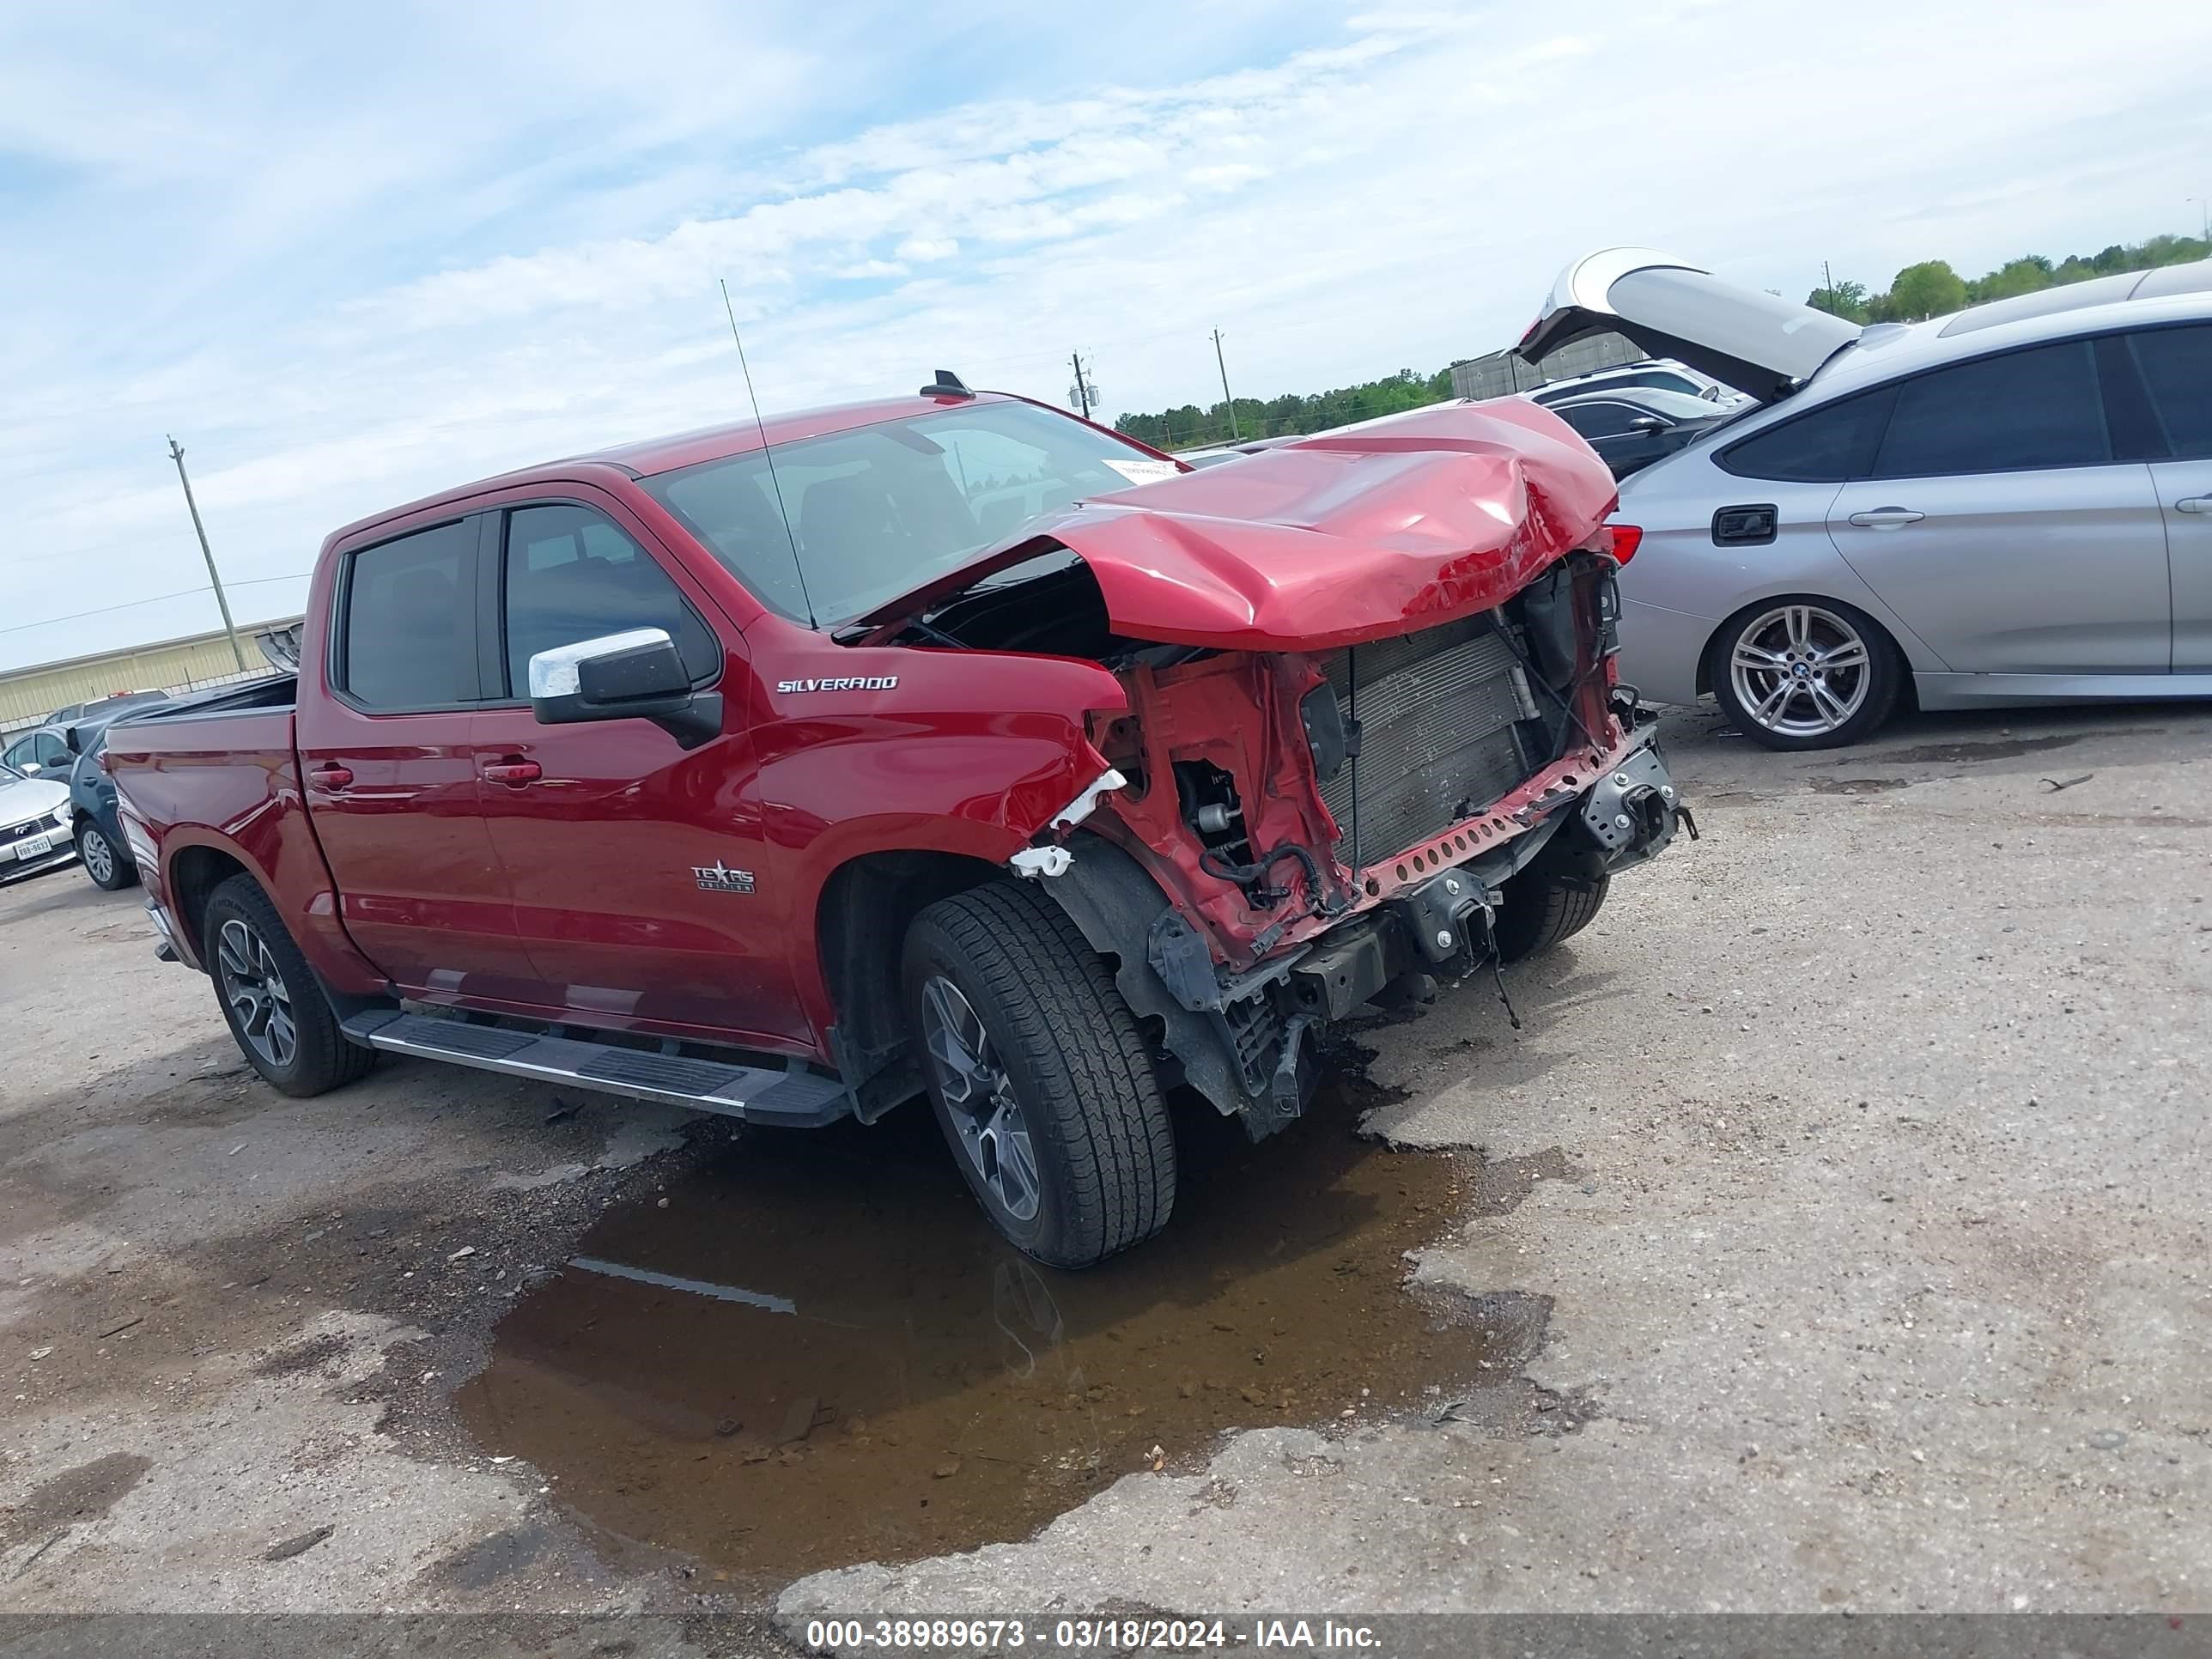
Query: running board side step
{"points": [[758, 1094]]}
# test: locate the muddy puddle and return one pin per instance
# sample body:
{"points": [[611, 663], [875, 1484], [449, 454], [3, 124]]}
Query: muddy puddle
{"points": [[816, 1355]]}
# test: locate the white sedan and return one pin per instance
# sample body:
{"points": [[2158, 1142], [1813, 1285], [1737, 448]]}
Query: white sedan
{"points": [[34, 825]]}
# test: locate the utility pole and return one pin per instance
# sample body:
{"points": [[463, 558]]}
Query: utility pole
{"points": [[222, 603], [1221, 364], [2204, 208], [1083, 397], [1829, 277]]}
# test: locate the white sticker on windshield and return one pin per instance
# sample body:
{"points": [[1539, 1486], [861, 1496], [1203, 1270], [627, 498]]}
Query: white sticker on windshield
{"points": [[1145, 472]]}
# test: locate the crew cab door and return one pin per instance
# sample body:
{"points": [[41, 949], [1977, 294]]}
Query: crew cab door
{"points": [[632, 862], [389, 771]]}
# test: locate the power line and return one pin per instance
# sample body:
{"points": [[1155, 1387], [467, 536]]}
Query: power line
{"points": [[151, 598]]}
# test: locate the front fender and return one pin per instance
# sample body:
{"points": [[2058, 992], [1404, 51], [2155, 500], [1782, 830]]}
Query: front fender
{"points": [[967, 753]]}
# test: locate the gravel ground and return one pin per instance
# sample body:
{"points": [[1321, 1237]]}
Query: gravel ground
{"points": [[1866, 1238]]}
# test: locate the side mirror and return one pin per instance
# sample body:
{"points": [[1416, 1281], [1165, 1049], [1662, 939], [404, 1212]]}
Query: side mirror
{"points": [[634, 675], [1647, 423]]}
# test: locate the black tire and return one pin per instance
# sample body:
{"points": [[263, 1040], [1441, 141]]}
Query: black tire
{"points": [[1554, 898], [319, 1058], [1067, 1049], [1885, 673], [107, 864]]}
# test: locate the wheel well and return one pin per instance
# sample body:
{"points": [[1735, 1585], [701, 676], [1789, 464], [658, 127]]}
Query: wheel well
{"points": [[194, 874], [860, 930], [1908, 694]]}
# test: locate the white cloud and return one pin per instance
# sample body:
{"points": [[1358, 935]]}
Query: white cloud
{"points": [[351, 267]]}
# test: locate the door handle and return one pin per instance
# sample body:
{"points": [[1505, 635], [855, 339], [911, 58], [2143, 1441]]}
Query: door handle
{"points": [[330, 775], [2194, 504], [1887, 518], [514, 771]]}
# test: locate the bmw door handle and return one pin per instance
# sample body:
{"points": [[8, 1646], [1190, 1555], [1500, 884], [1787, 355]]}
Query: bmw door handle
{"points": [[2194, 504], [1887, 518]]}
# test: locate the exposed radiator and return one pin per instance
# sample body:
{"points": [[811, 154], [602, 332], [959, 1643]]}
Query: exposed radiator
{"points": [[1437, 714]]}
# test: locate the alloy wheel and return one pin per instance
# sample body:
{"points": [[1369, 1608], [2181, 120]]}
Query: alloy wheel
{"points": [[256, 993], [991, 1132], [1799, 671]]}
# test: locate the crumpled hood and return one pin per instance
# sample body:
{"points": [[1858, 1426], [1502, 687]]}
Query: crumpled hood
{"points": [[1373, 531]]}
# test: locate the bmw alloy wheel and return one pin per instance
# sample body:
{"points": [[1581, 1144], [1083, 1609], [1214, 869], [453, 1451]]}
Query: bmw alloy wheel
{"points": [[992, 1135], [1801, 670], [256, 993]]}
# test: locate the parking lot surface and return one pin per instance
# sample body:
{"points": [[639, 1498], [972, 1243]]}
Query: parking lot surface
{"points": [[1829, 1234]]}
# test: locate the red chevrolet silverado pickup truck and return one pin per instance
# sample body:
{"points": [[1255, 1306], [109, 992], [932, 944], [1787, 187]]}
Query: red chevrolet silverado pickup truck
{"points": [[946, 744]]}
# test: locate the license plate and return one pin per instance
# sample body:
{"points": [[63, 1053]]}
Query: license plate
{"points": [[37, 847]]}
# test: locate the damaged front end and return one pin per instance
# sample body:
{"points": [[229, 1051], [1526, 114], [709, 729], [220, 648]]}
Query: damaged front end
{"points": [[1325, 827], [1349, 726]]}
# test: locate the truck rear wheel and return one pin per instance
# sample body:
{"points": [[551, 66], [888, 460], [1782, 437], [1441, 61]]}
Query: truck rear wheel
{"points": [[1043, 1082], [271, 998]]}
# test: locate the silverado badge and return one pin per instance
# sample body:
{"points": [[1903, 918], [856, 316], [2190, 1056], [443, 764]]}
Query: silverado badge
{"points": [[719, 878]]}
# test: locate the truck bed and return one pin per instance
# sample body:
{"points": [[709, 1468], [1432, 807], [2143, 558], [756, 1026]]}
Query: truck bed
{"points": [[218, 761]]}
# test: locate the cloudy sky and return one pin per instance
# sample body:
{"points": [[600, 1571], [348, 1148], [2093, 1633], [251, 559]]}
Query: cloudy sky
{"points": [[350, 254]]}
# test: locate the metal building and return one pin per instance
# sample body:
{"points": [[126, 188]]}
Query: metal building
{"points": [[27, 696], [1501, 373]]}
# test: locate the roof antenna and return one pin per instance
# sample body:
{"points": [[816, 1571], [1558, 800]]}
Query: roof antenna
{"points": [[782, 512]]}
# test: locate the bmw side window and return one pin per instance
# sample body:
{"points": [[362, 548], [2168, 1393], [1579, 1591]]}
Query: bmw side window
{"points": [[573, 574], [2019, 412], [1831, 444], [2176, 365], [405, 642]]}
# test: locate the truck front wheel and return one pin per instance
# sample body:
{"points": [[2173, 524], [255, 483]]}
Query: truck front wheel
{"points": [[271, 998], [1043, 1082], [1553, 899]]}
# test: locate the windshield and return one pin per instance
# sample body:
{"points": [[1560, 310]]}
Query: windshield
{"points": [[880, 510]]}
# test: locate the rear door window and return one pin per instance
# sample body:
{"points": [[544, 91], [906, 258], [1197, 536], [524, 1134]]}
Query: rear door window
{"points": [[1599, 420], [2176, 365], [408, 638], [573, 574], [1831, 444], [2018, 412]]}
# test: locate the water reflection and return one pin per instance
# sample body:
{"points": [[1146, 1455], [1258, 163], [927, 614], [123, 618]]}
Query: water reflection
{"points": [[817, 1354]]}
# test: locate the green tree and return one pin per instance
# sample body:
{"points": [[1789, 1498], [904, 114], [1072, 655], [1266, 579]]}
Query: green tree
{"points": [[1192, 428], [2025, 275], [1927, 290], [1847, 300]]}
